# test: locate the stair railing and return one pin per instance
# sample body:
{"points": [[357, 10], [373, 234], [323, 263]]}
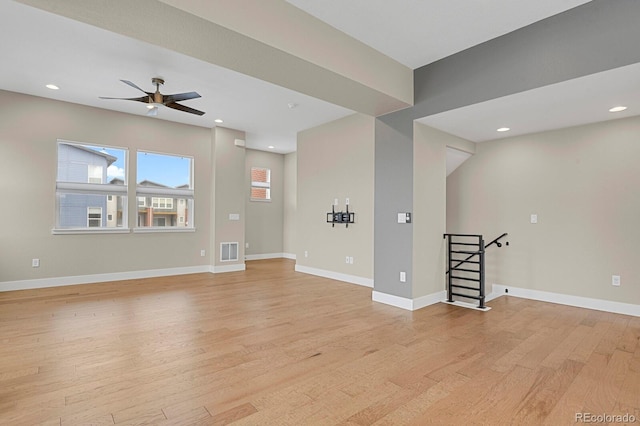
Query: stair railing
{"points": [[474, 247]]}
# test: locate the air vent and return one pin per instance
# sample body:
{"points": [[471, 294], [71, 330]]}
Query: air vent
{"points": [[228, 252]]}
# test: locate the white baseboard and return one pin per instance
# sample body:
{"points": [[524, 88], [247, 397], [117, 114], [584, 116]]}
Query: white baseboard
{"points": [[467, 305], [565, 299], [270, 256], [406, 303], [236, 267], [263, 256], [98, 278], [353, 279]]}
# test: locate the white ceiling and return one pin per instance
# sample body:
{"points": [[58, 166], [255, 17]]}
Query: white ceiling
{"points": [[38, 48], [417, 33], [571, 103], [86, 62]]}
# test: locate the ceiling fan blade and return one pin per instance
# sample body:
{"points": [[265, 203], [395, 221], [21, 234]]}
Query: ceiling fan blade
{"points": [[177, 97], [153, 112], [144, 99], [184, 108], [136, 87]]}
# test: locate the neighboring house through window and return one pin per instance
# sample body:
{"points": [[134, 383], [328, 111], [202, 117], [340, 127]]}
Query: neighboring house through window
{"points": [[260, 184], [90, 182], [164, 190]]}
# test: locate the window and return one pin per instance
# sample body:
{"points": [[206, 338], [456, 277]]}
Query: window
{"points": [[90, 181], [260, 184], [94, 217], [94, 173], [164, 191], [162, 203]]}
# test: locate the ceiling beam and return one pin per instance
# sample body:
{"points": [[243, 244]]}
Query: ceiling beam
{"points": [[349, 85]]}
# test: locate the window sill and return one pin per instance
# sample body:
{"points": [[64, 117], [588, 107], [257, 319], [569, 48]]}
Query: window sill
{"points": [[260, 200], [161, 229], [78, 231]]}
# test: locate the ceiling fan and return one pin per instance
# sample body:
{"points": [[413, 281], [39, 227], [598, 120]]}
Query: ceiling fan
{"points": [[154, 100]]}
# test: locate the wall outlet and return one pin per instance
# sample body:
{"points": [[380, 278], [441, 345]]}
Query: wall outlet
{"points": [[346, 260], [246, 245], [335, 201], [346, 201], [615, 280], [306, 253], [534, 218], [35, 263], [403, 277], [351, 260], [203, 253]]}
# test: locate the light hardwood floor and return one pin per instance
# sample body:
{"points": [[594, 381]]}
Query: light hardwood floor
{"points": [[270, 346]]}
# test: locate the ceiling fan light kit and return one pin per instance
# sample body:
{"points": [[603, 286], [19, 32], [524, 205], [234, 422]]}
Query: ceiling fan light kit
{"points": [[157, 99]]}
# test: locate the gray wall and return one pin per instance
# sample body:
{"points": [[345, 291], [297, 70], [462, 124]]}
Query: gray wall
{"points": [[290, 204], [29, 129], [591, 38], [335, 160], [583, 183], [229, 192], [264, 220], [393, 195]]}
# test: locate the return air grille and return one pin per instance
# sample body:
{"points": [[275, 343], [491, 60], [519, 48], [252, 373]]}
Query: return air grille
{"points": [[228, 252]]}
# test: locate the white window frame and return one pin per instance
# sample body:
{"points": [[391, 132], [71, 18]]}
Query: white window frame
{"points": [[104, 189], [156, 192], [261, 185]]}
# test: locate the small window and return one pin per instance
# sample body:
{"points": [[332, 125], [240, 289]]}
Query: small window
{"points": [[260, 184], [94, 217], [95, 173]]}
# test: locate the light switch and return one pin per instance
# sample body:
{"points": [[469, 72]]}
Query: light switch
{"points": [[534, 218], [402, 218], [234, 216]]}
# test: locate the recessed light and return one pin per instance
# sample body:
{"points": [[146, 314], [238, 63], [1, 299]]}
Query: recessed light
{"points": [[271, 147], [618, 109], [292, 105], [52, 87], [217, 120], [150, 106], [503, 129]]}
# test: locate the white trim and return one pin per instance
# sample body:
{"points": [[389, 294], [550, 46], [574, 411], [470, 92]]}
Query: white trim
{"points": [[103, 230], [264, 256], [98, 278], [390, 299], [148, 229], [467, 305], [353, 279], [289, 256], [566, 299], [409, 304], [228, 268], [155, 192], [91, 188]]}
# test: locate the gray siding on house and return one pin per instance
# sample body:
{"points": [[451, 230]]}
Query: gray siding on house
{"points": [[73, 166], [74, 209]]}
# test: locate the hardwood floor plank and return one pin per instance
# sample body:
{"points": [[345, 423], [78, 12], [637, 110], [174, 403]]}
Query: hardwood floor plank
{"points": [[272, 346]]}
